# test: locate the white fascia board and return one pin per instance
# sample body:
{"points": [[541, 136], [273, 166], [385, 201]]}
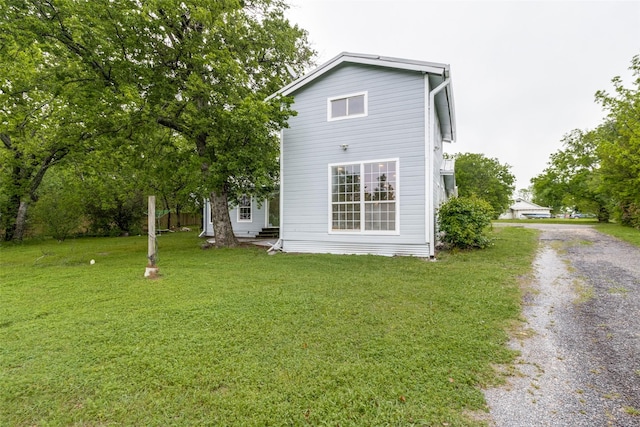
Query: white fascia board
{"points": [[452, 110], [402, 64], [309, 77], [444, 105], [358, 58]]}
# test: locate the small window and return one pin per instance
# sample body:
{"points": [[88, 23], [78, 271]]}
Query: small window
{"points": [[348, 106], [244, 209]]}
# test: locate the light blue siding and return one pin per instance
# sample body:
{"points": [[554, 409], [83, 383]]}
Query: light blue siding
{"points": [[240, 228], [394, 128]]}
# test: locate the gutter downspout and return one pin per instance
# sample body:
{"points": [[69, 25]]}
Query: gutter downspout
{"points": [[431, 134]]}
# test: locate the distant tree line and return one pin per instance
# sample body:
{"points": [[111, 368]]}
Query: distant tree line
{"points": [[598, 171]]}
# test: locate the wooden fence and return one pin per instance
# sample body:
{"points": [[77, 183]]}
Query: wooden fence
{"points": [[182, 220]]}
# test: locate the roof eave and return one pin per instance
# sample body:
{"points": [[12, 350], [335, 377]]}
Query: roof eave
{"points": [[452, 114], [358, 58], [432, 68]]}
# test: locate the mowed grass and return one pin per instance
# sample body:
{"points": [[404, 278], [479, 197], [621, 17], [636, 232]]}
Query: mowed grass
{"points": [[238, 337], [570, 221], [628, 234]]}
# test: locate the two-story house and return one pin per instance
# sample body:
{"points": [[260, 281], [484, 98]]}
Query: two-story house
{"points": [[362, 168]]}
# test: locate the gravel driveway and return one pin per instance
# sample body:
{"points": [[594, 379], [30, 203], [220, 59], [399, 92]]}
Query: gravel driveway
{"points": [[580, 347]]}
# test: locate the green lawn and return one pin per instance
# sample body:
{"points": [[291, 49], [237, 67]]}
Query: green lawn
{"points": [[628, 234], [237, 337], [581, 221]]}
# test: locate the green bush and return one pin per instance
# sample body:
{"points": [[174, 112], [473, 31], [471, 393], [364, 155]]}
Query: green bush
{"points": [[58, 211], [115, 214], [628, 214], [463, 221]]}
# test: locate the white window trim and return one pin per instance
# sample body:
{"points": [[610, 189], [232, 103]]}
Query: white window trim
{"points": [[250, 212], [362, 231], [352, 116]]}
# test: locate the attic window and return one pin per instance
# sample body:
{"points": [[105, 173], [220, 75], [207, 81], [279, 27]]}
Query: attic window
{"points": [[347, 106]]}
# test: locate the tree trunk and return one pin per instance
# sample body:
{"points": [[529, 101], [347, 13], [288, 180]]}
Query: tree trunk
{"points": [[8, 217], [21, 222], [603, 214], [168, 209], [224, 236], [31, 172]]}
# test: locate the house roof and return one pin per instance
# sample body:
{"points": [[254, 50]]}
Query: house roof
{"points": [[437, 72], [521, 204]]}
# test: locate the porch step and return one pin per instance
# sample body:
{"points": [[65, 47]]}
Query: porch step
{"points": [[269, 233]]}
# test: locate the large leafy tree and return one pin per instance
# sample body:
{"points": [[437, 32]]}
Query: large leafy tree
{"points": [[549, 189], [169, 167], [599, 170], [59, 209], [485, 178], [51, 106], [112, 187], [572, 178], [201, 68], [28, 147], [619, 146], [39, 126]]}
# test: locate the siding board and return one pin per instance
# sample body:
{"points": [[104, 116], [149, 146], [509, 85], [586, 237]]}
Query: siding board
{"points": [[240, 228], [393, 128]]}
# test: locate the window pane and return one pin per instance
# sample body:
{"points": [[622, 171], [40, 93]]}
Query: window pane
{"points": [[346, 183], [244, 208], [339, 107], [335, 185], [380, 181], [380, 216], [356, 105], [346, 216], [380, 195], [345, 190]]}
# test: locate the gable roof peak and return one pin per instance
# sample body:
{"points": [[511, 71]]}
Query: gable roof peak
{"points": [[394, 62], [433, 68]]}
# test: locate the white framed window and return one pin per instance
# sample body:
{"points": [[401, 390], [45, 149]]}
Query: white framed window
{"points": [[244, 209], [347, 106], [363, 197]]}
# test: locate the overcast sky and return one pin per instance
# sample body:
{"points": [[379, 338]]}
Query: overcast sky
{"points": [[524, 73]]}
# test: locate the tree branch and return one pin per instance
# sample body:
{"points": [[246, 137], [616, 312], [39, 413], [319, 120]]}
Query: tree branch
{"points": [[66, 38], [54, 157], [6, 139], [172, 124]]}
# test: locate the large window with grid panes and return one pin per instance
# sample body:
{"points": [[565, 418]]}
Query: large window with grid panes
{"points": [[364, 197]]}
